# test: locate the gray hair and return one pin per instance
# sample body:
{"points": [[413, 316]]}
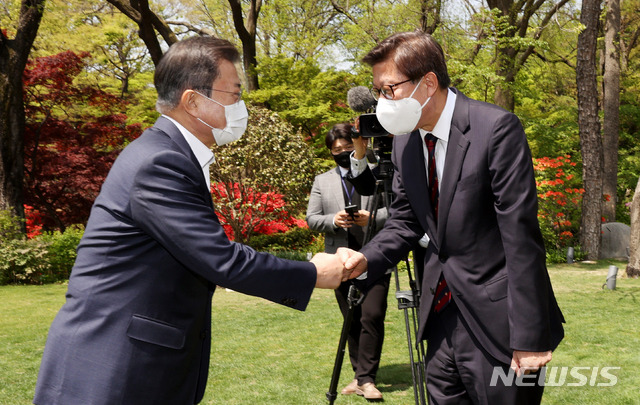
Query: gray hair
{"points": [[190, 64]]}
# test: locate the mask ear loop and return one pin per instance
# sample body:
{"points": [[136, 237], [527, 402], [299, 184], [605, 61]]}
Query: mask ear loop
{"points": [[416, 89]]}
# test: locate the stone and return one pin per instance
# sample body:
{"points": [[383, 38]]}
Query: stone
{"points": [[615, 241]]}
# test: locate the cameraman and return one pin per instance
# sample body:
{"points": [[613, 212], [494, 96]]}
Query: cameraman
{"points": [[330, 194]]}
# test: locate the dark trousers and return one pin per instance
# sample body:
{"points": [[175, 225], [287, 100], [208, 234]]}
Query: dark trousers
{"points": [[459, 371], [366, 334]]}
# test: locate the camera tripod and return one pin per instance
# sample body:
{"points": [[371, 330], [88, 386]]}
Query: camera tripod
{"points": [[408, 301]]}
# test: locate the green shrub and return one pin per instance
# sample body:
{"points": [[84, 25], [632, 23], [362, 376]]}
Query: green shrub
{"points": [[23, 261], [296, 239], [46, 258], [10, 226], [62, 251], [560, 255], [299, 256]]}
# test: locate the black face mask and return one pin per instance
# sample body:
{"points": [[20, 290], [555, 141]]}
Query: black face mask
{"points": [[343, 159]]}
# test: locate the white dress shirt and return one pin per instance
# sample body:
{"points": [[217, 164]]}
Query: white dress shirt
{"points": [[441, 131], [203, 154]]}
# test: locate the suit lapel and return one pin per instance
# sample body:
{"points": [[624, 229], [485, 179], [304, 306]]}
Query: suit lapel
{"points": [[337, 191], [415, 182], [168, 127], [456, 151]]}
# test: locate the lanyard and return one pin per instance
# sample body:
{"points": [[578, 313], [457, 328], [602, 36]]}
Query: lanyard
{"points": [[349, 194]]}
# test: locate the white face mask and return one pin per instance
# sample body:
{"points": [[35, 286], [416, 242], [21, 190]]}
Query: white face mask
{"points": [[400, 116], [236, 116]]}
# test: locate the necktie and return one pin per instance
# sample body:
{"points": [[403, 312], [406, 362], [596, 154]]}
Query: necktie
{"points": [[430, 140], [442, 296]]}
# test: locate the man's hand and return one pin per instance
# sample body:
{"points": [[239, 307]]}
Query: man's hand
{"points": [[330, 269], [360, 144], [362, 217], [354, 262], [529, 362], [343, 219]]}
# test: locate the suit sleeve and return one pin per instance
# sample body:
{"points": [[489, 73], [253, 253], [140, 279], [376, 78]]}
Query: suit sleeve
{"points": [[365, 182], [400, 234], [515, 199], [169, 204]]}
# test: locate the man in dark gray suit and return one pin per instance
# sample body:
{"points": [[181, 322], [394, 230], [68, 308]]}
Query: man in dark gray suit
{"points": [[135, 328], [464, 177]]}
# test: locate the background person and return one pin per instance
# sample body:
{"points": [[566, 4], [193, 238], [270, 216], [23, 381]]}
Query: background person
{"points": [[464, 176], [330, 193], [136, 325]]}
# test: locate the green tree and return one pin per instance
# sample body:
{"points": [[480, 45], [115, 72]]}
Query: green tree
{"points": [[305, 95], [15, 45], [270, 157]]}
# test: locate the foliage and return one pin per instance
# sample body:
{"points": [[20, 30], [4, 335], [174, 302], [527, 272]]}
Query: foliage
{"points": [[299, 238], [559, 200], [270, 157], [304, 95], [37, 258], [33, 219], [23, 261], [244, 212], [73, 134], [61, 252], [10, 226]]}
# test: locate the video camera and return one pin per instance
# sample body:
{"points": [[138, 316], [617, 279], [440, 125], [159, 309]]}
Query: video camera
{"points": [[360, 100]]}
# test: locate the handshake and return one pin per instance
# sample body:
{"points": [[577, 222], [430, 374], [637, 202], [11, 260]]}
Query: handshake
{"points": [[333, 269]]}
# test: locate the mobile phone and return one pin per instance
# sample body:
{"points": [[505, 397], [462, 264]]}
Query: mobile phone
{"points": [[351, 210]]}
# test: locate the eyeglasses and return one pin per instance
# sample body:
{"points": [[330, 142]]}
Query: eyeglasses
{"points": [[238, 94], [386, 90]]}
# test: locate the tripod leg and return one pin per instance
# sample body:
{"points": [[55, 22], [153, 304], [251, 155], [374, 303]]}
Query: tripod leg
{"points": [[352, 299]]}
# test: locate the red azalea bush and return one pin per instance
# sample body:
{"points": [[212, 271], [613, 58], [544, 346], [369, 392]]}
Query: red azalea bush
{"points": [[33, 220], [559, 201], [245, 212]]}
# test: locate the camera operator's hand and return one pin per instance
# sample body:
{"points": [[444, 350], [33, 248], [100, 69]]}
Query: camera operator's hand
{"points": [[354, 262], [360, 144], [342, 219], [362, 218]]}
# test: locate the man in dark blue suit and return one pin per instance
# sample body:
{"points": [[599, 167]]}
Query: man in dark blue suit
{"points": [[464, 177], [135, 328]]}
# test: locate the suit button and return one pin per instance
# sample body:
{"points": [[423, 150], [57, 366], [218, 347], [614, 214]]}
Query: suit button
{"points": [[290, 302]]}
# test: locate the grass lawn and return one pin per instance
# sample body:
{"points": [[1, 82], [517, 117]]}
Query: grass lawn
{"points": [[263, 353]]}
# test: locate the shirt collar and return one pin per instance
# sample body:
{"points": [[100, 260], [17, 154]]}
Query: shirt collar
{"points": [[203, 154], [343, 171], [443, 126]]}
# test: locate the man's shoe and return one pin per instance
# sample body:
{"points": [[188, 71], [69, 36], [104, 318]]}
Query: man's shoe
{"points": [[369, 391], [350, 389]]}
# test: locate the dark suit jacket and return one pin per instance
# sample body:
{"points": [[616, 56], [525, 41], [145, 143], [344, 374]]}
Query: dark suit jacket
{"points": [[135, 328], [487, 242]]}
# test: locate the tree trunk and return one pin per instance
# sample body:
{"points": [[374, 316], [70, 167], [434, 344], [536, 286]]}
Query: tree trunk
{"points": [[247, 34], [633, 268], [148, 23], [589, 128], [430, 9], [14, 54], [611, 106]]}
